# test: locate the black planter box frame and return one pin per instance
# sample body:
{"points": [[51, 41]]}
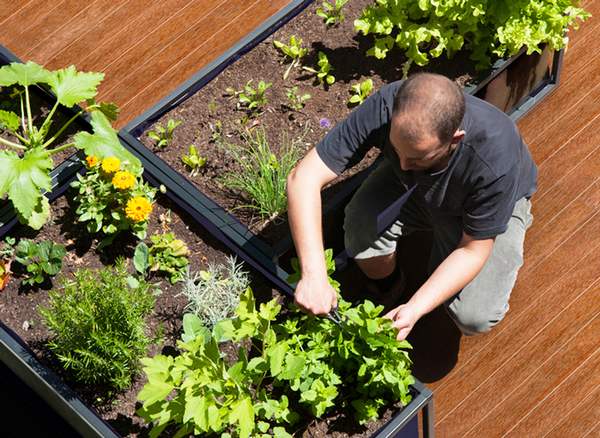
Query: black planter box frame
{"points": [[20, 359]]}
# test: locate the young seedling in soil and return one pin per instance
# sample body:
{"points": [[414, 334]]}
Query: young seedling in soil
{"points": [[41, 260], [163, 136], [249, 98], [166, 254], [296, 101], [193, 160], [294, 52], [323, 75], [331, 12], [360, 92]]}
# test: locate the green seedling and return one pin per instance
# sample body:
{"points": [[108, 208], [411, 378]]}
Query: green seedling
{"points": [[331, 12], [360, 92], [294, 52], [163, 136], [166, 254], [250, 98], [41, 260], [296, 101], [193, 160], [323, 73]]}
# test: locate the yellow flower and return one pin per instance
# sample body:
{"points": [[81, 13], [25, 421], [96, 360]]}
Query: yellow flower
{"points": [[138, 209], [123, 180], [111, 164], [91, 160]]}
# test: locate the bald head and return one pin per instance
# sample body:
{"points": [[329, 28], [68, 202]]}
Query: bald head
{"points": [[427, 105]]}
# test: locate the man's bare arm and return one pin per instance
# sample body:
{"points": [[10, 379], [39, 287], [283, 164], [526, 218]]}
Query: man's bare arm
{"points": [[304, 184]]}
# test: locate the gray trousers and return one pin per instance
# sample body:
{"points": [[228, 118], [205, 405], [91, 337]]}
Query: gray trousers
{"points": [[484, 301]]}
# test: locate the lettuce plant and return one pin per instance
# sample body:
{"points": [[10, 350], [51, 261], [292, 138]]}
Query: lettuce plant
{"points": [[163, 135], [296, 101], [323, 74], [331, 12], [193, 160], [250, 98], [294, 51], [26, 160], [360, 92]]}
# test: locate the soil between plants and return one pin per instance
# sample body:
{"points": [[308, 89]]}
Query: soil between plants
{"points": [[346, 52]]}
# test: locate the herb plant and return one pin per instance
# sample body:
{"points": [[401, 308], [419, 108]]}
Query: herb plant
{"points": [[331, 11], [294, 52], [111, 197], [163, 135], [323, 74], [26, 161], [296, 101], [360, 92], [262, 177], [215, 293], [488, 29], [166, 254], [41, 260], [250, 98], [193, 160], [97, 321]]}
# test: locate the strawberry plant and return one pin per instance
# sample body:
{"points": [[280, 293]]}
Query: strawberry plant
{"points": [[331, 12], [41, 260], [360, 92], [294, 52], [322, 75], [26, 160], [166, 254]]}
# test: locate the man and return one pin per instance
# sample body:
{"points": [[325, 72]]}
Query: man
{"points": [[471, 178]]}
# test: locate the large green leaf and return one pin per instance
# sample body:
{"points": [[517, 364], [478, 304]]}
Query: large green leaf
{"points": [[72, 86], [25, 178], [105, 143], [242, 412], [23, 74]]}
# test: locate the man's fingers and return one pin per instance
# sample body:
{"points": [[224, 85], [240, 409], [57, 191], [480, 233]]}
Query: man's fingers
{"points": [[402, 334], [391, 314]]}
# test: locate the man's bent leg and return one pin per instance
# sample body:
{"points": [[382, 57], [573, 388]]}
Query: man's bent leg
{"points": [[483, 303]]}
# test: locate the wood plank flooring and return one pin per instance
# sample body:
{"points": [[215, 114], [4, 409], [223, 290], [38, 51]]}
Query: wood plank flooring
{"points": [[144, 48]]}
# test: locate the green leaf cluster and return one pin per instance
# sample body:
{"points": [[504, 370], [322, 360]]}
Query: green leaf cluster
{"points": [[296, 101], [488, 28], [41, 259], [323, 74], [97, 321], [294, 52], [166, 254], [26, 160], [193, 160], [360, 92], [163, 135], [249, 98], [331, 12]]}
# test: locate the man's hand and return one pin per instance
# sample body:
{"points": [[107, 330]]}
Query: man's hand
{"points": [[404, 318], [315, 295]]}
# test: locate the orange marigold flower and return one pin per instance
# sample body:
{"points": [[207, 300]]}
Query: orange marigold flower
{"points": [[91, 160], [138, 209], [123, 180], [111, 164]]}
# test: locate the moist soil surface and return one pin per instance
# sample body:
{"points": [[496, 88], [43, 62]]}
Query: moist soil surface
{"points": [[210, 116]]}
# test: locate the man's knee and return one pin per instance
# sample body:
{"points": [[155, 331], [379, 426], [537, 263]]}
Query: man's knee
{"points": [[473, 321]]}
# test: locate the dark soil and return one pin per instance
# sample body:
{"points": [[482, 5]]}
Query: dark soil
{"points": [[211, 106]]}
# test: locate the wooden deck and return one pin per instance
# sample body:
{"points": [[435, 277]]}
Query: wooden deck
{"points": [[537, 373], [145, 48]]}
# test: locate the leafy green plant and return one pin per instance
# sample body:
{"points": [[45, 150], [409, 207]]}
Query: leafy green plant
{"points": [[250, 98], [26, 161], [360, 92], [97, 321], [296, 363], [41, 260], [323, 74], [193, 160], [112, 197], [331, 12], [489, 29], [214, 293], [262, 176], [294, 52], [296, 101], [163, 135], [166, 254]]}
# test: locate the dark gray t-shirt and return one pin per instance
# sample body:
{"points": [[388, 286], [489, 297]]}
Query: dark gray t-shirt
{"points": [[489, 171]]}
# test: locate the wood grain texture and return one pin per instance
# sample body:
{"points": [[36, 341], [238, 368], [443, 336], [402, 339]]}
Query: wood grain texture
{"points": [[15, 27], [8, 9], [581, 420]]}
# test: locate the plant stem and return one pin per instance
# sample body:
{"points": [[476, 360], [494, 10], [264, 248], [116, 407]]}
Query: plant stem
{"points": [[22, 114], [29, 119], [61, 148], [60, 131], [12, 145], [49, 117]]}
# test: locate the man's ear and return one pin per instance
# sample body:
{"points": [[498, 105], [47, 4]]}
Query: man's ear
{"points": [[458, 136]]}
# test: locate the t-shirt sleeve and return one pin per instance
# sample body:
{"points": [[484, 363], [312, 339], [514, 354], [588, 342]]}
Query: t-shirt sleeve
{"points": [[489, 208], [348, 142]]}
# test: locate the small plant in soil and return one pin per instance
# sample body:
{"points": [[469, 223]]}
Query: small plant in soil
{"points": [[163, 135], [193, 160], [41, 260], [294, 52], [262, 176], [323, 74], [214, 293], [7, 252], [216, 131], [166, 254], [112, 197], [97, 322], [296, 101], [249, 98], [331, 11], [26, 161], [360, 92]]}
